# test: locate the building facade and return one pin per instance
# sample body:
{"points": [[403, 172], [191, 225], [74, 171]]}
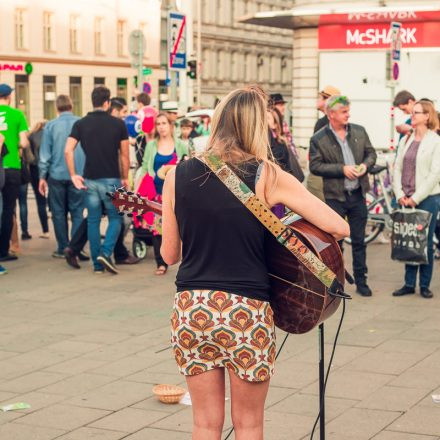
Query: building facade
{"points": [[235, 54], [48, 47]]}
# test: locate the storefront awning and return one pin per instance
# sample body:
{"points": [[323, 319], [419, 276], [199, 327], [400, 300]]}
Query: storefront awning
{"points": [[311, 17]]}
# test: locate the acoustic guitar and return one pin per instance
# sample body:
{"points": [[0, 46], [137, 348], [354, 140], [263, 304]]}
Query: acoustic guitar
{"points": [[298, 299]]}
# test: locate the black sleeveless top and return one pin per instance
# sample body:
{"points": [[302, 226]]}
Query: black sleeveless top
{"points": [[222, 242]]}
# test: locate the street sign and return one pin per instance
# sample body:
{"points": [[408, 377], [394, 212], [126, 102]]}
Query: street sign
{"points": [[136, 47], [147, 71], [146, 88], [395, 50], [176, 41]]}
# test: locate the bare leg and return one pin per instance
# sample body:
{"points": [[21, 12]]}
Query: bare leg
{"points": [[247, 405], [207, 392]]}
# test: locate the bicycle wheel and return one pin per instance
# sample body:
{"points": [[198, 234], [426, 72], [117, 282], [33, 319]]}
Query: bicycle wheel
{"points": [[374, 226]]}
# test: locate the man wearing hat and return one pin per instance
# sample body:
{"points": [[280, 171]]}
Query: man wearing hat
{"points": [[13, 127], [279, 103], [171, 109], [314, 183]]}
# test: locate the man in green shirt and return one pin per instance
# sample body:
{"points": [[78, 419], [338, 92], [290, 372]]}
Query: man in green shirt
{"points": [[13, 127]]}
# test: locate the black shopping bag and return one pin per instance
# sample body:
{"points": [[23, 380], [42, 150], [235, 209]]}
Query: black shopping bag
{"points": [[409, 239]]}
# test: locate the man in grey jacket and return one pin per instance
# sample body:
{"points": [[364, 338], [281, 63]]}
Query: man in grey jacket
{"points": [[342, 153]]}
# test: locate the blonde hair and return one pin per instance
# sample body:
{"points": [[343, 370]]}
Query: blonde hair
{"points": [[239, 129], [428, 108], [39, 126]]}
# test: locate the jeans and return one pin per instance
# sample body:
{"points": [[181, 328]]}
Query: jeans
{"points": [[79, 240], [355, 210], [64, 198], [95, 195], [430, 204], [10, 193]]}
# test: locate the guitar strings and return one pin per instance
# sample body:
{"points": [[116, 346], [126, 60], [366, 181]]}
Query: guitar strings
{"points": [[296, 285]]}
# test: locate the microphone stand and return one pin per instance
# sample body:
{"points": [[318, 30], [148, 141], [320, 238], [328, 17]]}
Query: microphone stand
{"points": [[321, 383]]}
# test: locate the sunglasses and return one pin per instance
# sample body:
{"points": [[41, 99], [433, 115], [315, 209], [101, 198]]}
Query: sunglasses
{"points": [[340, 100]]}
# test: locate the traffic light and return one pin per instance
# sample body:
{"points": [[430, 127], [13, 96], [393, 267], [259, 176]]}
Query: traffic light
{"points": [[192, 69]]}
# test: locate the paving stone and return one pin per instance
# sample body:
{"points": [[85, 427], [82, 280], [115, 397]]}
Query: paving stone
{"points": [[409, 346], [61, 416], [389, 435], [418, 420], [391, 398], [31, 382], [77, 365], [77, 384], [417, 378], [112, 397], [157, 434], [15, 431], [36, 399], [93, 434], [129, 420], [276, 428], [74, 346], [361, 424], [294, 375]]}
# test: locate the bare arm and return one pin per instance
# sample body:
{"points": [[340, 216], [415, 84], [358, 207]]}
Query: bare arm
{"points": [[24, 141], [125, 161], [171, 242], [291, 193], [77, 180]]}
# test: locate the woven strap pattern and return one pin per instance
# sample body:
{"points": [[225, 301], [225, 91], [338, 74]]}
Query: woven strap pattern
{"points": [[269, 220]]}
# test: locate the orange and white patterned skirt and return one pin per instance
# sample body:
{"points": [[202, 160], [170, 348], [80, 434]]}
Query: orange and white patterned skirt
{"points": [[212, 329]]}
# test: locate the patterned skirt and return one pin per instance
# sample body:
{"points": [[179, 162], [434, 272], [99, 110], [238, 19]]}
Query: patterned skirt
{"points": [[212, 329]]}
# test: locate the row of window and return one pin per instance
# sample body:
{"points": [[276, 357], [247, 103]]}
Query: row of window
{"points": [[248, 67], [75, 32], [50, 93]]}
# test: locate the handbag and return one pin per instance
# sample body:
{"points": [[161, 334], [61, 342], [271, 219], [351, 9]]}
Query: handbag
{"points": [[409, 238]]}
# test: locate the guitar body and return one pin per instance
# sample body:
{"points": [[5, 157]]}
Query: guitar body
{"points": [[298, 299]]}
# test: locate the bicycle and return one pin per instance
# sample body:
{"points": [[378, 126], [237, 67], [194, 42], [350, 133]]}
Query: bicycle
{"points": [[379, 204]]}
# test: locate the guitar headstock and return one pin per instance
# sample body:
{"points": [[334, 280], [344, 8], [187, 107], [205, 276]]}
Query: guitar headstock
{"points": [[133, 204]]}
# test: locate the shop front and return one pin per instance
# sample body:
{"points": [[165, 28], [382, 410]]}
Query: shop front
{"points": [[347, 47]]}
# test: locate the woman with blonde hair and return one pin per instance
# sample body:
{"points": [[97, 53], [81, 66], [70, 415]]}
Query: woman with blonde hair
{"points": [[161, 154], [222, 319], [416, 184], [30, 175]]}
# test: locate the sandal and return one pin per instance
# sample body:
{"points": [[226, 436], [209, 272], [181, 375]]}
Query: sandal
{"points": [[161, 270]]}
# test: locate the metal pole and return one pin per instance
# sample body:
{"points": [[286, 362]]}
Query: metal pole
{"points": [[140, 82], [321, 384], [393, 122], [173, 77], [199, 52]]}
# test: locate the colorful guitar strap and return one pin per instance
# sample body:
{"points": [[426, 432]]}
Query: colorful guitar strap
{"points": [[276, 227]]}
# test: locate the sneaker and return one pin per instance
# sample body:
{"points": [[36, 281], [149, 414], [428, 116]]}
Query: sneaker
{"points": [[3, 271], [45, 235], [71, 258], [57, 254], [108, 264], [405, 290], [363, 289], [26, 236], [425, 292], [9, 257]]}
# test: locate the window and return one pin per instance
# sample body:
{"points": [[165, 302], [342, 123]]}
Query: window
{"points": [[120, 37], [234, 66], [220, 64], [74, 34], [48, 33], [285, 70], [205, 64], [260, 68], [75, 93], [22, 94], [20, 18], [99, 50], [143, 29], [98, 81], [247, 67], [49, 97], [121, 88]]}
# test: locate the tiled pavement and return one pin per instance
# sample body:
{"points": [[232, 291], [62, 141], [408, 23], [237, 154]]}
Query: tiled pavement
{"points": [[84, 351]]}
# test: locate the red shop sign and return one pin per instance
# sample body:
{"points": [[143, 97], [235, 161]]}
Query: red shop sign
{"points": [[13, 67], [372, 30]]}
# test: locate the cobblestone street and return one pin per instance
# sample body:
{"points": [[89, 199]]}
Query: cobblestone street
{"points": [[85, 350]]}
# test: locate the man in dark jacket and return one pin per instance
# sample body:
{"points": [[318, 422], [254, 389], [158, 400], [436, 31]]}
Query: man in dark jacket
{"points": [[342, 153]]}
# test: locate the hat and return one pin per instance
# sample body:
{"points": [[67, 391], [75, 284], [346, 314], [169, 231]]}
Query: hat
{"points": [[277, 98], [5, 90], [170, 106], [328, 91]]}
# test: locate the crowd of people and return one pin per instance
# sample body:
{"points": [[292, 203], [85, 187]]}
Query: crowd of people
{"points": [[72, 163]]}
